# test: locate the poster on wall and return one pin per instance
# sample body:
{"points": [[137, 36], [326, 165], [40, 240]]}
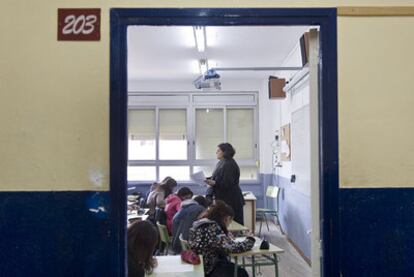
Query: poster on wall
{"points": [[285, 143]]}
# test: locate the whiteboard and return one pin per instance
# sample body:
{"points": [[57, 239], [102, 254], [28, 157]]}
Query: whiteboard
{"points": [[300, 148]]}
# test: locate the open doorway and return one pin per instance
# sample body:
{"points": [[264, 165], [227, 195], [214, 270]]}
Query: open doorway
{"points": [[167, 94]]}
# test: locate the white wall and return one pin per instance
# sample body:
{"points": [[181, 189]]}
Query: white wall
{"points": [[274, 113], [294, 203], [300, 138], [269, 121]]}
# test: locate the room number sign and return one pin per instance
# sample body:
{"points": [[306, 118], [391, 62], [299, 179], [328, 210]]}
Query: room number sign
{"points": [[79, 24]]}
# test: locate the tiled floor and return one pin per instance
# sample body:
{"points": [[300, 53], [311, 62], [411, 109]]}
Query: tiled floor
{"points": [[291, 264]]}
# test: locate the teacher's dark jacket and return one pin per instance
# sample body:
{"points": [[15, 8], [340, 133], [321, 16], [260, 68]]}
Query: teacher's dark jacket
{"points": [[227, 176]]}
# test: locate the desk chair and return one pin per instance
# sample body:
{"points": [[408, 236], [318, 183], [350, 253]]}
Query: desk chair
{"points": [[184, 243], [164, 237], [273, 193]]}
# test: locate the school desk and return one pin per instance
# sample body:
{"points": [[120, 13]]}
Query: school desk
{"points": [[133, 215], [266, 257], [236, 227], [173, 266]]}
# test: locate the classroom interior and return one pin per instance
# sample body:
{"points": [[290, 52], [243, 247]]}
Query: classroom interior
{"points": [[191, 88]]}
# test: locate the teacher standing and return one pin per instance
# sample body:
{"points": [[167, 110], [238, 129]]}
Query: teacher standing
{"points": [[225, 180]]}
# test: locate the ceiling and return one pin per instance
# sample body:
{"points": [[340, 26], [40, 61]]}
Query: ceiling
{"points": [[170, 53]]}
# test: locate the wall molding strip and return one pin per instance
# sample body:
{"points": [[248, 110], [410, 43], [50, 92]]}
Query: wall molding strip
{"points": [[376, 11]]}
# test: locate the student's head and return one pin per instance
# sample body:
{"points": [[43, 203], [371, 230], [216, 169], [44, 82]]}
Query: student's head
{"points": [[221, 213], [168, 184], [169, 181], [142, 240], [201, 200], [225, 151], [184, 193]]}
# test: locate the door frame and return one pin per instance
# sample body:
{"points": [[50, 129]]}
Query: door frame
{"points": [[325, 18]]}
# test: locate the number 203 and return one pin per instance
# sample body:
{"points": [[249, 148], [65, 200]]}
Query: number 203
{"points": [[80, 24]]}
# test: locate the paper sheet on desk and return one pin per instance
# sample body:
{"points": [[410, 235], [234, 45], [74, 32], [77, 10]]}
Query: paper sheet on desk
{"points": [[175, 268], [198, 178]]}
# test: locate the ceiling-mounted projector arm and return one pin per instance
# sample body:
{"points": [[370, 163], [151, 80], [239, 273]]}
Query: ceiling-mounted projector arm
{"points": [[280, 68]]}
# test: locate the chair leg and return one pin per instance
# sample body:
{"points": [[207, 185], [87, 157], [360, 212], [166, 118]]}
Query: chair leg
{"points": [[267, 224], [260, 229], [277, 220], [167, 246], [235, 266], [160, 250]]}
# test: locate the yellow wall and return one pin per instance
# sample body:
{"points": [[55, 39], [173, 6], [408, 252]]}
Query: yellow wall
{"points": [[376, 101], [54, 108]]}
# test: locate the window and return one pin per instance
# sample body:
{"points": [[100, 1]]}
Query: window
{"points": [[240, 132], [179, 135], [180, 173], [209, 131], [141, 134], [141, 173], [248, 173], [173, 134]]}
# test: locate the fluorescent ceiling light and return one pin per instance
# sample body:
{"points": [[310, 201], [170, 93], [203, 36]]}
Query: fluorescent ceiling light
{"points": [[203, 63], [200, 38]]}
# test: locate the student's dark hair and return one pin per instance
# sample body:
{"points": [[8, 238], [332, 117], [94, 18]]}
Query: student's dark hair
{"points": [[168, 184], [142, 240], [184, 191], [201, 200], [218, 212], [228, 150]]}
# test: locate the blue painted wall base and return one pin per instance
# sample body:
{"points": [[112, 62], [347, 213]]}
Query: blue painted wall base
{"points": [[55, 234], [295, 215], [70, 234], [377, 232]]}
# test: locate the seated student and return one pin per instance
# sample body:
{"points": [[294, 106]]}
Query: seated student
{"points": [[154, 186], [156, 198], [210, 196], [184, 218], [209, 237], [142, 239], [145, 197], [174, 204], [160, 216], [201, 200]]}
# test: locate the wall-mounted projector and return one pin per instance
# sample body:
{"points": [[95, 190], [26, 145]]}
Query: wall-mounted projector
{"points": [[208, 81]]}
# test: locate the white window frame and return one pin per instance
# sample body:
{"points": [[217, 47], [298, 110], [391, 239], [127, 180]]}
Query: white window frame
{"points": [[190, 108]]}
